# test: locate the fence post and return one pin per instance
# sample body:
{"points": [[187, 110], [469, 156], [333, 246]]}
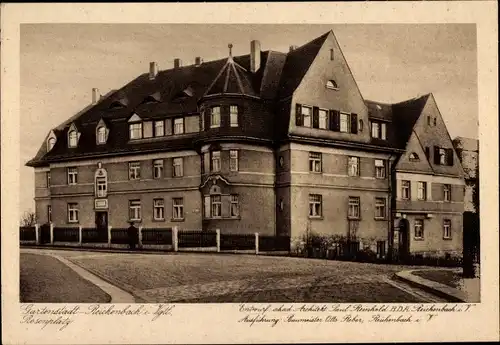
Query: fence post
{"points": [[140, 237], [37, 235], [256, 243], [51, 233], [175, 238], [80, 235], [217, 237], [109, 236]]}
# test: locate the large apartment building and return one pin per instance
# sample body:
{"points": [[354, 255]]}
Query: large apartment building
{"points": [[269, 142]]}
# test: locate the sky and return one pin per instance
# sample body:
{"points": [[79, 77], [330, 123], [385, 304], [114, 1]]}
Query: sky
{"points": [[61, 63]]}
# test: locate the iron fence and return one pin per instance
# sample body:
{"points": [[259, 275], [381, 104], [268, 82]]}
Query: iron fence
{"points": [[27, 233], [237, 241], [274, 243], [119, 236], [197, 239], [157, 236], [93, 235], [66, 235]]}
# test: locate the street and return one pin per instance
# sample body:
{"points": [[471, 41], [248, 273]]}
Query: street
{"points": [[211, 278]]}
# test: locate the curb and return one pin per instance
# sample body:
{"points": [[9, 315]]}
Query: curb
{"points": [[438, 289]]}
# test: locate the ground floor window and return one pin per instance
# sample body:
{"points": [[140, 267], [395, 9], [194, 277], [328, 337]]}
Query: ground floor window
{"points": [[159, 209], [447, 229], [419, 229], [353, 207], [315, 205], [72, 213], [379, 208], [235, 209], [216, 203], [135, 209], [380, 249], [178, 208]]}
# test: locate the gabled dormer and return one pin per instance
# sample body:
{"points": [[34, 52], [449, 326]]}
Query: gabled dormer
{"points": [[73, 136], [119, 103], [153, 98], [101, 132], [51, 140]]}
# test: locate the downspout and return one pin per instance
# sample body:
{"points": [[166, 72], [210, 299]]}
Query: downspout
{"points": [[390, 220]]}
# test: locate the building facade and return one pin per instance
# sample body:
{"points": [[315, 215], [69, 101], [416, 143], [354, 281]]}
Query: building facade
{"points": [[269, 142]]}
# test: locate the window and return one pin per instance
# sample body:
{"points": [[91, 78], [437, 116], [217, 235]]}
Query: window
{"points": [[215, 117], [419, 228], [134, 170], [353, 208], [379, 168], [353, 166], [72, 176], [447, 229], [360, 125], [101, 186], [215, 161], [405, 190], [179, 125], [159, 128], [233, 114], [235, 208], [331, 84], [178, 170], [47, 177], [178, 208], [73, 139], [315, 207], [216, 202], [323, 119], [414, 157], [379, 130], [306, 116], [233, 160], [442, 156], [49, 213], [380, 249], [50, 143], [72, 213], [344, 122], [135, 131], [101, 135], [427, 152], [159, 209], [435, 122], [422, 190], [380, 208], [332, 54], [428, 120], [147, 129], [447, 192], [158, 168], [314, 161], [134, 210], [202, 120]]}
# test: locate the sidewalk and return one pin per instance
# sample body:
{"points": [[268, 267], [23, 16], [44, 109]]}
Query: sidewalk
{"points": [[445, 283]]}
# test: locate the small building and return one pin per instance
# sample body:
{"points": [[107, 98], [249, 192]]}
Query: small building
{"points": [[270, 142]]}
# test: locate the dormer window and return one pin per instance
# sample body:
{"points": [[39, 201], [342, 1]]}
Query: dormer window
{"points": [[215, 117], [101, 135], [135, 131], [73, 138], [414, 157], [379, 130], [233, 112], [51, 143], [331, 84]]}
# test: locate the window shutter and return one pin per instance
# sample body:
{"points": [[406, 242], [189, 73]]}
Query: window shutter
{"points": [[226, 205], [436, 155], [168, 167], [315, 117], [449, 159], [427, 152], [354, 123], [331, 119], [298, 115], [336, 120]]}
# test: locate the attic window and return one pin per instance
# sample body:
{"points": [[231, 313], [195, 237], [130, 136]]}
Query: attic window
{"points": [[154, 98], [414, 157], [331, 84], [72, 138], [101, 135], [189, 92], [118, 104], [50, 143]]}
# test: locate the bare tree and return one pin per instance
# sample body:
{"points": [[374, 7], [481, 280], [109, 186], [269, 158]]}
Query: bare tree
{"points": [[28, 219]]}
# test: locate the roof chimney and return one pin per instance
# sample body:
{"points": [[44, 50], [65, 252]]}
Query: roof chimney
{"points": [[254, 56], [96, 96], [153, 70], [292, 48], [177, 63], [197, 61]]}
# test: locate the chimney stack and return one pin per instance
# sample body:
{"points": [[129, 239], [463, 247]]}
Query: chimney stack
{"points": [[292, 48], [153, 70], [96, 96], [254, 56], [177, 63], [197, 61]]}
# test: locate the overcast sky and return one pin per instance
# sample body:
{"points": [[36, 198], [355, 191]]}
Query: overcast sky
{"points": [[61, 63]]}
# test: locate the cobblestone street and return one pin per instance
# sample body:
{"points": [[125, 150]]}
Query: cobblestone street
{"points": [[206, 278]]}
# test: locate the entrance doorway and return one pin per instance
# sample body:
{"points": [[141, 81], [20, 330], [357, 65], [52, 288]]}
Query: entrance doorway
{"points": [[404, 238], [101, 220]]}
